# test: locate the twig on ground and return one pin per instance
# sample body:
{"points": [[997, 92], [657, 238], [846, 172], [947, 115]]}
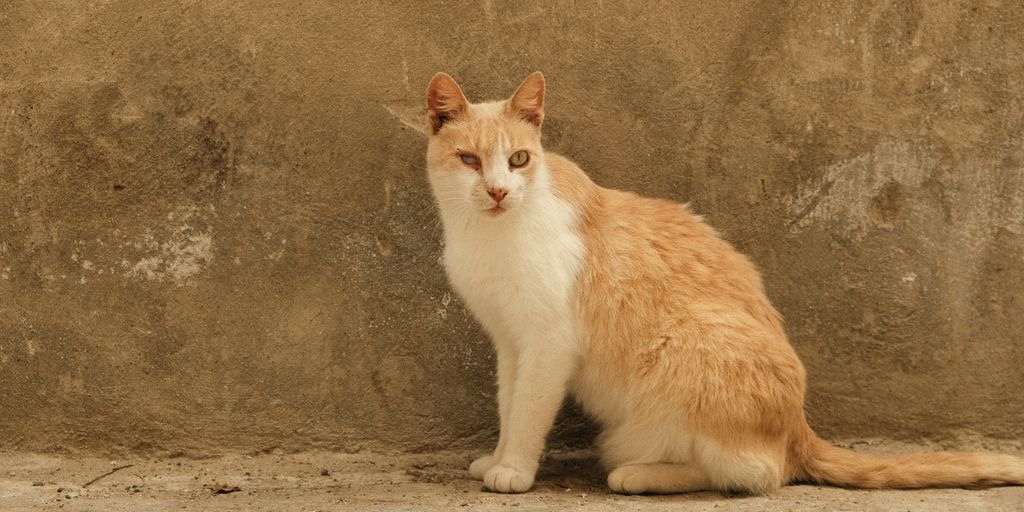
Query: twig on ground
{"points": [[108, 473], [218, 488]]}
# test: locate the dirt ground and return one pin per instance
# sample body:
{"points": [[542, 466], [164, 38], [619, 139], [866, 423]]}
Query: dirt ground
{"points": [[320, 481]]}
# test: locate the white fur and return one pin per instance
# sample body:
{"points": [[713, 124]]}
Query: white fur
{"points": [[521, 266], [517, 272]]}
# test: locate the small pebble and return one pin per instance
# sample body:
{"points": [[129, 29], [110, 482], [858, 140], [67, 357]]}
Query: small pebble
{"points": [[37, 484], [325, 472]]}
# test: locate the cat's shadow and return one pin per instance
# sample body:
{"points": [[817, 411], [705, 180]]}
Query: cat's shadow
{"points": [[576, 472], [581, 473]]}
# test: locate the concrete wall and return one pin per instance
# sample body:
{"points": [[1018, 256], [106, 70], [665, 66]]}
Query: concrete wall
{"points": [[216, 232]]}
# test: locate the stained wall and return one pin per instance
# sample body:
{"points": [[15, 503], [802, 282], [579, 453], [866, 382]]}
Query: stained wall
{"points": [[216, 233]]}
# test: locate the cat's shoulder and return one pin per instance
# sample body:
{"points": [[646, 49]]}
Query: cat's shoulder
{"points": [[607, 208], [569, 182]]}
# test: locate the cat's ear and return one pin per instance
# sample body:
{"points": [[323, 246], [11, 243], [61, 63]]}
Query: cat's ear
{"points": [[445, 101], [528, 100]]}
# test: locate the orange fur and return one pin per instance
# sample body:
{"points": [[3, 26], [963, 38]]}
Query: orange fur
{"points": [[669, 339], [678, 317]]}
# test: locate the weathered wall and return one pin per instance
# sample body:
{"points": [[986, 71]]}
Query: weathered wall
{"points": [[216, 232]]}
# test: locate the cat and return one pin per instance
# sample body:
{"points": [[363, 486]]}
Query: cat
{"points": [[660, 329]]}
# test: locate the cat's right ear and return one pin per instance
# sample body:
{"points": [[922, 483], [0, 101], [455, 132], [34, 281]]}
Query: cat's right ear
{"points": [[445, 101]]}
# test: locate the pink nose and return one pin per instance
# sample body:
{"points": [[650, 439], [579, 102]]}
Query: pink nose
{"points": [[497, 193]]}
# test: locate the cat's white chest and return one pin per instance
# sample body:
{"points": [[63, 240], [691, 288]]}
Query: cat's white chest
{"points": [[517, 274]]}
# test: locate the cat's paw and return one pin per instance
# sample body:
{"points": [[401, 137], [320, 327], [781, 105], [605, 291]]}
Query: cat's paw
{"points": [[508, 480], [627, 479], [480, 466]]}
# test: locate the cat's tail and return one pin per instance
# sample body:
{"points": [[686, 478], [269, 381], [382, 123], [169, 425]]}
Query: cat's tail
{"points": [[828, 464]]}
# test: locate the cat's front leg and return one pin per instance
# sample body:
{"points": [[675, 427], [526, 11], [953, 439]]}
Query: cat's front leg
{"points": [[507, 358], [543, 369]]}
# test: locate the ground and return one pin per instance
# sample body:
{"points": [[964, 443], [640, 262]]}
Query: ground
{"points": [[320, 481]]}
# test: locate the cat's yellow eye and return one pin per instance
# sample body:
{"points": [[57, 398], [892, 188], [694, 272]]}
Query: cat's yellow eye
{"points": [[519, 159], [469, 160]]}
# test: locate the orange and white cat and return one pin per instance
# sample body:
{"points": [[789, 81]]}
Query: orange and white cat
{"points": [[659, 329]]}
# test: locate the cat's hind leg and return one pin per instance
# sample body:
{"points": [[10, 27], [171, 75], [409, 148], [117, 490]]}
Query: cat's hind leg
{"points": [[664, 459], [750, 471], [651, 459], [713, 470], [660, 478]]}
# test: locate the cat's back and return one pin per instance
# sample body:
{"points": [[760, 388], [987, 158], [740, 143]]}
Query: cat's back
{"points": [[610, 212], [626, 233], [646, 254]]}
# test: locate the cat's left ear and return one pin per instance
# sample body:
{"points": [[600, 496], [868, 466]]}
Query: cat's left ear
{"points": [[528, 100]]}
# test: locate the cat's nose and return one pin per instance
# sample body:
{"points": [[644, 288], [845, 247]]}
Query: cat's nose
{"points": [[497, 193]]}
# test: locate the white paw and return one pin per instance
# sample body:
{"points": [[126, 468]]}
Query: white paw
{"points": [[627, 480], [506, 479], [480, 466]]}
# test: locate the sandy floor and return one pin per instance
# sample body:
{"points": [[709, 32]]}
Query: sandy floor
{"points": [[331, 481]]}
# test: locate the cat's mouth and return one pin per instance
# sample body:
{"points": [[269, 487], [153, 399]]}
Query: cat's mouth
{"points": [[495, 210]]}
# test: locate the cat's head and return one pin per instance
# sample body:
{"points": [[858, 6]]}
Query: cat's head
{"points": [[482, 158]]}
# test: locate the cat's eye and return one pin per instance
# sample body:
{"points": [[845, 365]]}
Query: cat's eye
{"points": [[469, 160], [519, 159]]}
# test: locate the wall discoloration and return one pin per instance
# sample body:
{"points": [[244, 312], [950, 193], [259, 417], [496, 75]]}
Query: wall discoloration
{"points": [[864, 192], [216, 232], [180, 256]]}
